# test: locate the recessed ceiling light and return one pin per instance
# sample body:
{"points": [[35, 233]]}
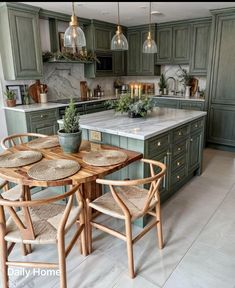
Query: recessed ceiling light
{"points": [[156, 13], [143, 7]]}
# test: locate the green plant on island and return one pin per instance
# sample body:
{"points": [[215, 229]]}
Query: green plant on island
{"points": [[162, 84], [10, 95], [71, 118], [135, 107]]}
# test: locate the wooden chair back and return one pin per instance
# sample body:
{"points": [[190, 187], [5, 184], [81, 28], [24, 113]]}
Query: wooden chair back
{"points": [[25, 225], [16, 139], [154, 180]]}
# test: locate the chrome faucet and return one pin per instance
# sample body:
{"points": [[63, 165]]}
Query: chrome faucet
{"points": [[174, 90]]}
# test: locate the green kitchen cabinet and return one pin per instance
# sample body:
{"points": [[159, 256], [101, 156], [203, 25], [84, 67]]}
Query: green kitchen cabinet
{"points": [[195, 144], [173, 39], [133, 53], [119, 60], [20, 41], [102, 38], [200, 47], [43, 121], [170, 103], [164, 45], [181, 43], [221, 126], [192, 105], [139, 63]]}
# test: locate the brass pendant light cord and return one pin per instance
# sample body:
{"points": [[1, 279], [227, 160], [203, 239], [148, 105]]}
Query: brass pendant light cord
{"points": [[150, 19], [73, 9], [118, 15]]}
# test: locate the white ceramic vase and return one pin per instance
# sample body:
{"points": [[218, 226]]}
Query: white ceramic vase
{"points": [[187, 91]]}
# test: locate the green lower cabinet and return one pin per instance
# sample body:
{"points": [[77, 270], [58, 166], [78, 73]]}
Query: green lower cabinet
{"points": [[179, 104], [180, 149]]}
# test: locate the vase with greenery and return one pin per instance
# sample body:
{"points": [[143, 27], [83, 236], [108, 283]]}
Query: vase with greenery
{"points": [[135, 107], [70, 136], [11, 98], [186, 80], [162, 83]]}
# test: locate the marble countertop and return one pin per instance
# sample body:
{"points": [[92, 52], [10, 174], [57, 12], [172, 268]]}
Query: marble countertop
{"points": [[157, 122], [179, 98], [51, 105]]}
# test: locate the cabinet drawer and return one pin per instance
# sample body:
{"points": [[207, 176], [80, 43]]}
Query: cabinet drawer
{"points": [[180, 133], [197, 125], [91, 106], [178, 176], [158, 144], [179, 148], [179, 163], [43, 115]]}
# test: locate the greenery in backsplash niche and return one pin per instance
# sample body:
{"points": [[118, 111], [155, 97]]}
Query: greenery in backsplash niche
{"points": [[82, 56], [135, 107], [162, 83], [184, 76]]}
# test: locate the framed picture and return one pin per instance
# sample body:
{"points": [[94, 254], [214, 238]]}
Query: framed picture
{"points": [[17, 90], [61, 44]]}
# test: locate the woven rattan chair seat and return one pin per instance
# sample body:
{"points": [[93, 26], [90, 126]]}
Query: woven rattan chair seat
{"points": [[133, 197]]}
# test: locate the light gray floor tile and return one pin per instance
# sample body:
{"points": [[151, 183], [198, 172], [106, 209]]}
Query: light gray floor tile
{"points": [[139, 282], [203, 267]]}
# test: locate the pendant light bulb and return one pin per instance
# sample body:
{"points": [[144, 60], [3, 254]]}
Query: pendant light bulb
{"points": [[149, 45], [119, 41], [74, 36]]}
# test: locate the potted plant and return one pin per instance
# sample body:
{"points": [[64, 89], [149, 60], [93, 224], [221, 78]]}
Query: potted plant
{"points": [[70, 136], [186, 79], [162, 84], [11, 98]]}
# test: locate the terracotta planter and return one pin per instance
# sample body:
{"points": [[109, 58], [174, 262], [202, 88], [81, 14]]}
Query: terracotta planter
{"points": [[11, 103]]}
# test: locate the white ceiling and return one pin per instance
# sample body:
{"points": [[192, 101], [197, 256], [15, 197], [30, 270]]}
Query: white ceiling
{"points": [[135, 13]]}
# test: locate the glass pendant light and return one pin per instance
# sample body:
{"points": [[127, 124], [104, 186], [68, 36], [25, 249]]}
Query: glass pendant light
{"points": [[74, 36], [149, 45], [119, 41]]}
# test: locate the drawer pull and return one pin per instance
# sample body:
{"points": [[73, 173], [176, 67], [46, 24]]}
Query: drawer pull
{"points": [[158, 143], [178, 177], [179, 149], [191, 140], [195, 125], [180, 133], [43, 116], [178, 163]]}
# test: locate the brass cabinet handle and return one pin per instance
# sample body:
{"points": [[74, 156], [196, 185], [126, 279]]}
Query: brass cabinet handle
{"points": [[43, 116], [178, 163], [179, 148], [180, 133], [168, 153], [158, 143], [195, 125], [191, 139], [178, 177]]}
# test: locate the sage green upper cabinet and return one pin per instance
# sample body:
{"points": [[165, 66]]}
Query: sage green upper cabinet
{"points": [[139, 63], [164, 45], [119, 67], [20, 41], [173, 39], [181, 44], [102, 37], [133, 53], [200, 47]]}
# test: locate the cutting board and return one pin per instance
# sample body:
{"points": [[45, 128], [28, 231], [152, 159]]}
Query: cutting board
{"points": [[35, 90]]}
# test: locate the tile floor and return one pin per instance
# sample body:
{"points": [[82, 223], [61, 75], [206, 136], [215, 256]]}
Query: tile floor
{"points": [[199, 232]]}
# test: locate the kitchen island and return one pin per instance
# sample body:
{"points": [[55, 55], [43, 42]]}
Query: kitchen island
{"points": [[172, 136]]}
